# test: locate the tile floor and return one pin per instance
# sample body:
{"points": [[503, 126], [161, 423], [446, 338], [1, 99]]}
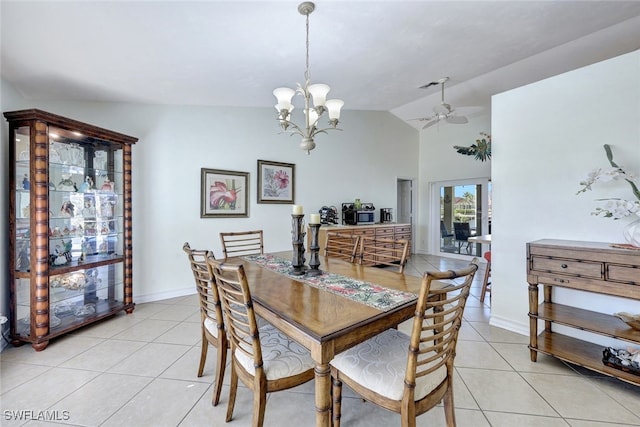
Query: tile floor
{"points": [[140, 370]]}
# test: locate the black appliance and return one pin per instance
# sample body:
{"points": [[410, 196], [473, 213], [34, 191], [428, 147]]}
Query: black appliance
{"points": [[386, 215], [364, 215], [328, 215]]}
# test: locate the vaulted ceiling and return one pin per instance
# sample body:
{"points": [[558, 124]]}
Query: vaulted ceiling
{"points": [[375, 55]]}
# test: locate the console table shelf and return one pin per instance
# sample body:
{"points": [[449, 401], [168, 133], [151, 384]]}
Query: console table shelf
{"points": [[582, 267]]}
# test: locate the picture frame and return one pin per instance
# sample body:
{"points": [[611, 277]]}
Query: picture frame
{"points": [[276, 182], [224, 194]]}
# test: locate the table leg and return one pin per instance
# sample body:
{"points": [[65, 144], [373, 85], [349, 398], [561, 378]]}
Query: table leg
{"points": [[323, 395]]}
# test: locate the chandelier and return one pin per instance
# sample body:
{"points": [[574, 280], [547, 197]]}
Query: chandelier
{"points": [[316, 92]]}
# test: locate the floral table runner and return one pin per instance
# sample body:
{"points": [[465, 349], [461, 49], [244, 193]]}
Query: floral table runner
{"points": [[375, 296]]}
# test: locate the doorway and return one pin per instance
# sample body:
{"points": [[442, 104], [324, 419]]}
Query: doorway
{"points": [[460, 209], [405, 205]]}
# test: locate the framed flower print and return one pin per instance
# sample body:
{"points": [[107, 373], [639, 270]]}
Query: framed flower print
{"points": [[276, 182], [224, 194]]}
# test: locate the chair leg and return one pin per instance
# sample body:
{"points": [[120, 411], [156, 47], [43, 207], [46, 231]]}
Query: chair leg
{"points": [[449, 411], [485, 282], [259, 404], [233, 388], [203, 353], [221, 361], [337, 401]]}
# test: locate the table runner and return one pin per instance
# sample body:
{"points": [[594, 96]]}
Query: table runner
{"points": [[370, 294]]}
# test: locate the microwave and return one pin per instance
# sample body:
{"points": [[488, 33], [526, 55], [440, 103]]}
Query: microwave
{"points": [[353, 217]]}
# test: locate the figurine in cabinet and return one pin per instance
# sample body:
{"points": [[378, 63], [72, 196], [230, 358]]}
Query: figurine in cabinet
{"points": [[67, 184], [62, 254], [107, 185], [23, 259], [87, 185], [25, 182], [67, 209]]}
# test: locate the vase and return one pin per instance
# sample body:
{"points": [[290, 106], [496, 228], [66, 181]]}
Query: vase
{"points": [[631, 233]]}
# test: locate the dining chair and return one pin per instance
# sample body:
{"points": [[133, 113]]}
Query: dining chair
{"points": [[383, 252], [486, 284], [212, 324], [410, 374], [341, 245], [445, 235], [264, 359], [239, 243], [462, 232]]}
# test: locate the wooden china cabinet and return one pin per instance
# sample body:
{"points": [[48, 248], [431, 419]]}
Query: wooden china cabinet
{"points": [[70, 225]]}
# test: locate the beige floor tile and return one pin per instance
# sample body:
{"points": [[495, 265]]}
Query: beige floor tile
{"points": [[624, 393], [163, 402], [87, 406], [186, 367], [575, 397], [195, 317], [107, 328], [143, 311], [477, 314], [504, 419], [176, 313], [186, 333], [58, 351], [42, 392], [104, 355], [585, 423], [518, 356], [12, 374], [468, 333], [151, 360], [205, 414], [495, 335], [147, 330], [504, 392], [476, 354]]}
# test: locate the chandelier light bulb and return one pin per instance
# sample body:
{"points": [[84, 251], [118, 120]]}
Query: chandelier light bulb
{"points": [[334, 106]]}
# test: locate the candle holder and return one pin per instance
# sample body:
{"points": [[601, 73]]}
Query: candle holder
{"points": [[314, 248], [297, 239]]}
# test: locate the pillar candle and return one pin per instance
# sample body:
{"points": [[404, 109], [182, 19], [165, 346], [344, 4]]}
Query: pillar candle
{"points": [[297, 210], [314, 218]]}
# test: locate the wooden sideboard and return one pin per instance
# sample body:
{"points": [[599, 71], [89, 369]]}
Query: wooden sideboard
{"points": [[386, 231], [586, 267]]}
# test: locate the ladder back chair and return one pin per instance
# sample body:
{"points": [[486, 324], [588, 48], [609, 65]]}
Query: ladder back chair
{"points": [[410, 374], [240, 243], [383, 252], [341, 245], [211, 325], [264, 359]]}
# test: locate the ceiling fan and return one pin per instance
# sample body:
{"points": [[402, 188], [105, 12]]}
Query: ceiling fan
{"points": [[443, 111]]}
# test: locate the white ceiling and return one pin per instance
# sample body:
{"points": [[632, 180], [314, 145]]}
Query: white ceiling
{"points": [[375, 55]]}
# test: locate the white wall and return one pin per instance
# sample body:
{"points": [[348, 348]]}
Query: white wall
{"points": [[546, 137], [439, 161], [175, 142]]}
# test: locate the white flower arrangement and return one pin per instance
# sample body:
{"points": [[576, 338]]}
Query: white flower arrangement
{"points": [[615, 208]]}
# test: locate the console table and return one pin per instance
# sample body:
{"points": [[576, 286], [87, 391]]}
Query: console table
{"points": [[588, 267]]}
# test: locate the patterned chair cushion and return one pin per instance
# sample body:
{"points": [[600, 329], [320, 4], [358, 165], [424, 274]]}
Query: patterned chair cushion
{"points": [[281, 356], [211, 326], [379, 364]]}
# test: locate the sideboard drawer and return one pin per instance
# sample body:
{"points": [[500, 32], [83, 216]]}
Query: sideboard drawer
{"points": [[623, 273], [568, 266]]}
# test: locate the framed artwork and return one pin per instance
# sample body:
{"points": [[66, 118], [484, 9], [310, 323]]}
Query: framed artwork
{"points": [[276, 182], [224, 194]]}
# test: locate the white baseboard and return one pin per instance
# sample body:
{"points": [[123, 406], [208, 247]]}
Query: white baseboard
{"points": [[509, 325], [159, 296]]}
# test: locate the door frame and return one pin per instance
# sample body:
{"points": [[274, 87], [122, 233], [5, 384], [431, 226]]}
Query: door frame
{"points": [[414, 207], [434, 212]]}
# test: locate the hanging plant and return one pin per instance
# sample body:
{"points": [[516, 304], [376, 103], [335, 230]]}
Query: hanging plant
{"points": [[481, 150]]}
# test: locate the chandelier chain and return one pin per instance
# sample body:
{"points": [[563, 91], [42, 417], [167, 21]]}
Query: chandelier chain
{"points": [[307, 73]]}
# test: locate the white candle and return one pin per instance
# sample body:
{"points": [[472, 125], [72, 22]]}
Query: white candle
{"points": [[314, 218], [297, 209]]}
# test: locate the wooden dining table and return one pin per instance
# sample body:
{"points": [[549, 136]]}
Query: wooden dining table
{"points": [[324, 322]]}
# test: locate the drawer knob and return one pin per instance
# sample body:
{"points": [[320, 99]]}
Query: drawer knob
{"points": [[564, 266]]}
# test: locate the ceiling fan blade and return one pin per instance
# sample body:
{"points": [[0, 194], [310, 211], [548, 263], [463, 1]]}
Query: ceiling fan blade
{"points": [[431, 123], [457, 120], [422, 119]]}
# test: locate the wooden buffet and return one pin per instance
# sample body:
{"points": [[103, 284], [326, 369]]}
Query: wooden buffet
{"points": [[587, 267], [385, 231]]}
